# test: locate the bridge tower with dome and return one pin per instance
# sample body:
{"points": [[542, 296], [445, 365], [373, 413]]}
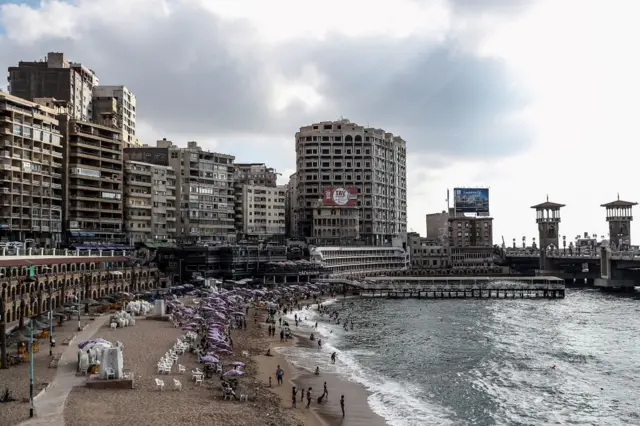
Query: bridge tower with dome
{"points": [[619, 217], [548, 220]]}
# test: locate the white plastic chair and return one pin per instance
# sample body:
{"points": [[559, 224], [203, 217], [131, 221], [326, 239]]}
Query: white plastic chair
{"points": [[181, 368], [111, 374], [177, 385], [198, 378], [159, 384]]}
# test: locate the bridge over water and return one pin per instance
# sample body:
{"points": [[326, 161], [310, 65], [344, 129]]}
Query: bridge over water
{"points": [[612, 265]]}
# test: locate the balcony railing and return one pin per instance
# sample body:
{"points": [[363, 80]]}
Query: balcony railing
{"points": [[62, 252]]}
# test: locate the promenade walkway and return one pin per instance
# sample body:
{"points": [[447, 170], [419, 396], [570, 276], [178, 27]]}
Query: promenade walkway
{"points": [[49, 405]]}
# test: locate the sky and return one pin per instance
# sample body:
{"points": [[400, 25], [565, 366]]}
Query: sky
{"points": [[531, 98]]}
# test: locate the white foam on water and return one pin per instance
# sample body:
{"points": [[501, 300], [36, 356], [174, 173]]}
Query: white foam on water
{"points": [[389, 399]]}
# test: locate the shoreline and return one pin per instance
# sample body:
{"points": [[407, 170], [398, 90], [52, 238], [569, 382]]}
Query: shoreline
{"points": [[357, 408]]}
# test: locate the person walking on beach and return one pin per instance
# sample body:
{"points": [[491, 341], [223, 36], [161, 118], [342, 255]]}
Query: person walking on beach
{"points": [[333, 358], [325, 394], [302, 395], [282, 335], [294, 394], [308, 397], [280, 375], [342, 404]]}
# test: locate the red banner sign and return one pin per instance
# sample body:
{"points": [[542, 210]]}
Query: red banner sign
{"points": [[340, 196]]}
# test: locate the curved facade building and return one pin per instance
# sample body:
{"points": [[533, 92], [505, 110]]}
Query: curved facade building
{"points": [[342, 154], [359, 262]]}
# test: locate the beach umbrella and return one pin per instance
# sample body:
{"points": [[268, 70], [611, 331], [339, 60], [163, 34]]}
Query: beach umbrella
{"points": [[37, 325], [231, 373], [81, 345], [18, 338], [209, 359], [238, 364], [238, 314]]}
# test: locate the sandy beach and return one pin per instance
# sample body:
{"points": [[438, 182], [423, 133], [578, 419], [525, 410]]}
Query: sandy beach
{"points": [[144, 344], [16, 378], [357, 409]]}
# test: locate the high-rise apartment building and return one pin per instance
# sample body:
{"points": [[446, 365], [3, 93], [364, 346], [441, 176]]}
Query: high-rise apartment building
{"points": [[259, 203], [55, 77], [93, 181], [260, 212], [150, 212], [104, 96], [205, 192], [342, 154], [291, 205], [30, 172]]}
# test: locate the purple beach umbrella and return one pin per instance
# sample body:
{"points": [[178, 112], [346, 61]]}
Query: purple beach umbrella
{"points": [[209, 359], [233, 373], [238, 364]]}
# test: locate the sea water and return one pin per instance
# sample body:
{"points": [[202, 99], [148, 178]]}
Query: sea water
{"points": [[486, 362]]}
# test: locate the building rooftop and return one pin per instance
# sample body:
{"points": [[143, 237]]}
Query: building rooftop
{"points": [[619, 203], [550, 205]]}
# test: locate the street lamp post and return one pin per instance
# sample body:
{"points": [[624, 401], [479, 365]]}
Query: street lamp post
{"points": [[31, 367], [51, 341], [3, 335], [524, 242], [564, 244]]}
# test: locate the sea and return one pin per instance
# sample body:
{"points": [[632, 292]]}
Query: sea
{"points": [[572, 361]]}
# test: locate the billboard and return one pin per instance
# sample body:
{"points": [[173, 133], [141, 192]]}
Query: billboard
{"points": [[339, 196], [471, 200]]}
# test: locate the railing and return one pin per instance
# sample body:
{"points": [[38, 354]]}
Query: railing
{"points": [[461, 286], [6, 252], [574, 254]]}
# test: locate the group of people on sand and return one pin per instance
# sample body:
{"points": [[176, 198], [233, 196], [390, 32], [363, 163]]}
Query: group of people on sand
{"points": [[283, 336]]}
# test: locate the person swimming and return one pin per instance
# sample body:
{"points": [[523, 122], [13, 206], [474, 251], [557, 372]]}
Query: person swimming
{"points": [[317, 373]]}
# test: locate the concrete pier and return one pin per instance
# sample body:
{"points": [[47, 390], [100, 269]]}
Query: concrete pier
{"points": [[458, 288]]}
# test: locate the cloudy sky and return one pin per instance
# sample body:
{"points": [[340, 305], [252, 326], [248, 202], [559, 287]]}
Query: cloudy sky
{"points": [[528, 97]]}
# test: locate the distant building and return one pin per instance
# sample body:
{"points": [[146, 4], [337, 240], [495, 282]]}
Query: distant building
{"points": [[471, 241], [204, 189], [31, 152], [260, 212], [427, 254], [291, 205], [438, 226], [341, 155], [125, 102], [56, 77], [150, 202], [93, 182]]}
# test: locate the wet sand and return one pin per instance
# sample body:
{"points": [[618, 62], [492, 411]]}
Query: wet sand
{"points": [[357, 409]]}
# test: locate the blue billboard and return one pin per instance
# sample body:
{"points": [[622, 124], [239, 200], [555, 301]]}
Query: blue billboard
{"points": [[471, 200]]}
